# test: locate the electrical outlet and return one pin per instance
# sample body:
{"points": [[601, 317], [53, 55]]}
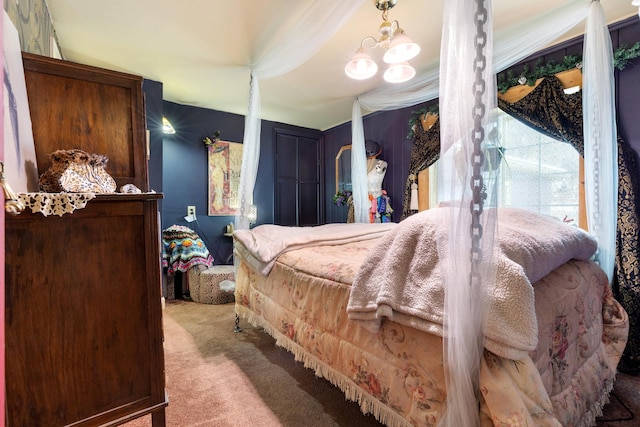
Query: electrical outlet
{"points": [[191, 211]]}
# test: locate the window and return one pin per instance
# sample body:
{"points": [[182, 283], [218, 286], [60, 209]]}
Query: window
{"points": [[537, 173]]}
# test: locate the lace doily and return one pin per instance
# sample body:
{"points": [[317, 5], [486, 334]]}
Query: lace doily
{"points": [[55, 203]]}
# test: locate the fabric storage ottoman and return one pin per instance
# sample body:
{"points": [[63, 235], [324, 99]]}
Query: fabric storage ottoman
{"points": [[213, 285]]}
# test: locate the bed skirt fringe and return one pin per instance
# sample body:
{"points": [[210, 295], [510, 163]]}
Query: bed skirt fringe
{"points": [[590, 416], [368, 404]]}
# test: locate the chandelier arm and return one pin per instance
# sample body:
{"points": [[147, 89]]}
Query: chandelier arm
{"points": [[395, 26], [371, 39]]}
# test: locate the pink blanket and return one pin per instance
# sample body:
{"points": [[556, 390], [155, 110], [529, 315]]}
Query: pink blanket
{"points": [[261, 246], [402, 279]]}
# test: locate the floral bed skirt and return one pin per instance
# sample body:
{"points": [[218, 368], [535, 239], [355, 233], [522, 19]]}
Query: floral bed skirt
{"points": [[397, 374]]}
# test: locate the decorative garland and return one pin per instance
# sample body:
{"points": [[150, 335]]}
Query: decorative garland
{"points": [[621, 58], [506, 80], [529, 76], [623, 55]]}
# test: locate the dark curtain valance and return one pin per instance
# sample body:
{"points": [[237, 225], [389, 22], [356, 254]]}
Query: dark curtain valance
{"points": [[550, 111], [424, 153]]}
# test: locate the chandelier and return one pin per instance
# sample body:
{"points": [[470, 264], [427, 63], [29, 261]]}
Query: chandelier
{"points": [[398, 47]]}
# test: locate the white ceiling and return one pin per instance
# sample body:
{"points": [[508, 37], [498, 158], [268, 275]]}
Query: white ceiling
{"points": [[199, 49]]}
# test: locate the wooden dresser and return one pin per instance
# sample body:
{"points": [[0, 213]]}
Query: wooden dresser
{"points": [[83, 290]]}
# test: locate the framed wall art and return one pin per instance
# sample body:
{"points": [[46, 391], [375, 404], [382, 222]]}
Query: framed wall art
{"points": [[224, 162]]}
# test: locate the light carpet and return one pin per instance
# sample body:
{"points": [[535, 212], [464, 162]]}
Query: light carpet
{"points": [[218, 378]]}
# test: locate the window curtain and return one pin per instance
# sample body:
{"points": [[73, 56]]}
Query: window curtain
{"points": [[424, 152], [564, 122], [287, 41], [549, 110], [626, 283]]}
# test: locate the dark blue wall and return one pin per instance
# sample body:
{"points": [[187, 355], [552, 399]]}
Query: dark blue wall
{"points": [[627, 87], [185, 176], [181, 162]]}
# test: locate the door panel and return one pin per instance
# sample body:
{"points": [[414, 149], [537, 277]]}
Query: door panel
{"points": [[286, 207], [298, 179], [309, 204]]}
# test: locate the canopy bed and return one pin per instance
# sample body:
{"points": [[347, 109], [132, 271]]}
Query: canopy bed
{"points": [[325, 293], [469, 371]]}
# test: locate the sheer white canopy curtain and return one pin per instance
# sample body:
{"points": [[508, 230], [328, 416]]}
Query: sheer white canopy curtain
{"points": [[600, 137], [286, 43], [467, 99]]}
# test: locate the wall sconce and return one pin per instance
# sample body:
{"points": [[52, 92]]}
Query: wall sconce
{"points": [[399, 49], [252, 215], [167, 128]]}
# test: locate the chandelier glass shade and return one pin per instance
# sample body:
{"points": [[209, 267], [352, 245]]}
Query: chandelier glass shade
{"points": [[400, 72], [398, 47], [401, 49], [361, 66]]}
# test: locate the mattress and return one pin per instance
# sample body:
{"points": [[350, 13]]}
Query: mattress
{"points": [[397, 373]]}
